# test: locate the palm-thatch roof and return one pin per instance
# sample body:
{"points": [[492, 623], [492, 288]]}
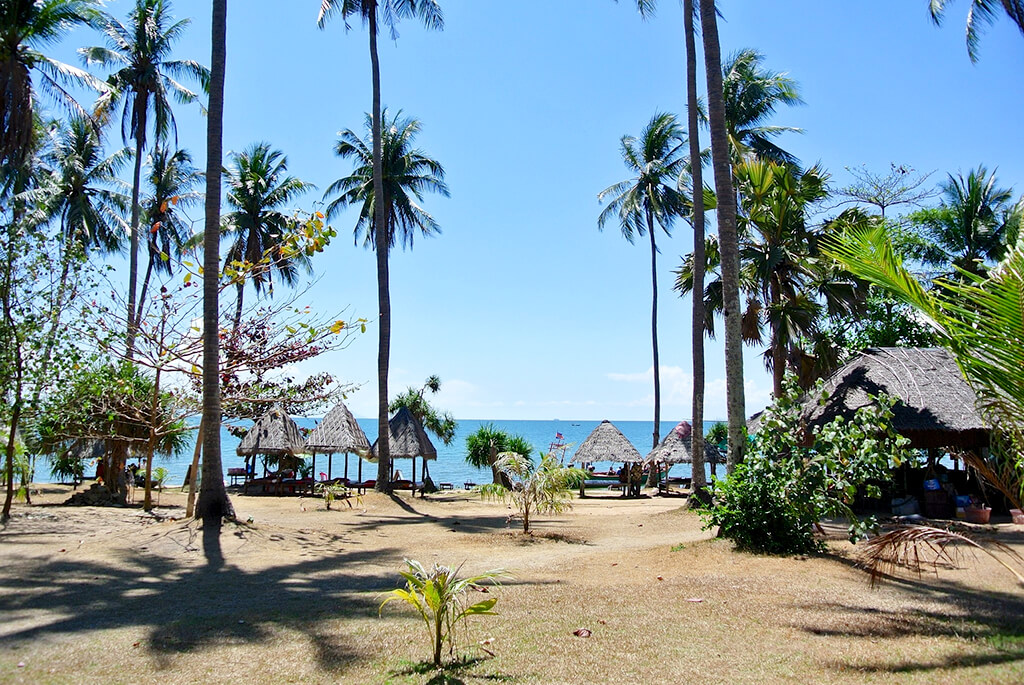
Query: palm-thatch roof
{"points": [[936, 406], [275, 434], [408, 439], [338, 432], [606, 443], [674, 448]]}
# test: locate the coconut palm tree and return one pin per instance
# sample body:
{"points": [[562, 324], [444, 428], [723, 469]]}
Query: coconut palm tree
{"points": [[173, 180], [82, 196], [142, 86], [258, 189], [646, 201], [981, 14], [441, 424], [25, 27], [727, 235], [406, 174], [752, 95], [697, 221], [213, 505], [391, 11], [968, 230], [785, 283]]}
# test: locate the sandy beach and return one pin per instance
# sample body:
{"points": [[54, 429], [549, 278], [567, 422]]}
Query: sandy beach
{"points": [[119, 596]]}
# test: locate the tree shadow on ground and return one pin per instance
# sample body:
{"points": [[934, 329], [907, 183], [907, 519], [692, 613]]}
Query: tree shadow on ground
{"points": [[944, 608], [454, 672], [188, 606]]}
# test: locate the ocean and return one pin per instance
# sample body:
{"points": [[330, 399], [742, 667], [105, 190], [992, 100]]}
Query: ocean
{"points": [[450, 467]]}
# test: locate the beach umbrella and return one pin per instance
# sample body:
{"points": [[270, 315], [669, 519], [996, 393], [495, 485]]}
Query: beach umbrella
{"points": [[606, 443], [274, 435], [338, 432], [675, 448], [408, 440]]}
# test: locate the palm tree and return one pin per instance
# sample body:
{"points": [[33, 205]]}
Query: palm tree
{"points": [[980, 14], [213, 505], [649, 199], [968, 230], [540, 489], [785, 282], [81, 196], [406, 174], [258, 188], [441, 424], [429, 12], [485, 444], [142, 86], [697, 220], [727, 236], [25, 27], [174, 181], [752, 95]]}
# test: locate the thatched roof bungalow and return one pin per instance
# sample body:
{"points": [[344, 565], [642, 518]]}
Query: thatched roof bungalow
{"points": [[408, 439], [338, 432], [275, 435], [675, 448], [606, 443], [936, 406]]}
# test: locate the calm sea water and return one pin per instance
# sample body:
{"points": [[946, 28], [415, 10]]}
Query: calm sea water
{"points": [[451, 466]]}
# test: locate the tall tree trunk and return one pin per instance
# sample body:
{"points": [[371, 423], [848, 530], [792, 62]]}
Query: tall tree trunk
{"points": [[12, 429], [133, 257], [147, 500], [383, 289], [140, 309], [652, 478], [727, 238], [778, 351], [193, 473], [239, 300], [697, 176], [214, 504], [12, 340]]}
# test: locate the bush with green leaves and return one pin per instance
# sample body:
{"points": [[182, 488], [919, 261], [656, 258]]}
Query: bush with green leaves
{"points": [[774, 500], [440, 597], [543, 489], [331, 492]]}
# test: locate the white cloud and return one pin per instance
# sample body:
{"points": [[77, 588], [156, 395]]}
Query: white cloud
{"points": [[677, 393]]}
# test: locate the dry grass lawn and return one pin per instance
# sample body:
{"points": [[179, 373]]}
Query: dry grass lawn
{"points": [[116, 596]]}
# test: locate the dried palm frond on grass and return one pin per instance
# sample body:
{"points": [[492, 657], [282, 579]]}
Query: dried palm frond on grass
{"points": [[916, 548]]}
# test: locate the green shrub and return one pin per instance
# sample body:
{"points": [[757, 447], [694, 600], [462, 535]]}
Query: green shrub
{"points": [[439, 596], [774, 500]]}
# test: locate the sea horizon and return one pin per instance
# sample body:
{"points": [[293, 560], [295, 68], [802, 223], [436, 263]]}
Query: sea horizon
{"points": [[450, 465]]}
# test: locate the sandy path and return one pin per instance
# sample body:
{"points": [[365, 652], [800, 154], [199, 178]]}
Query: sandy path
{"points": [[115, 595]]}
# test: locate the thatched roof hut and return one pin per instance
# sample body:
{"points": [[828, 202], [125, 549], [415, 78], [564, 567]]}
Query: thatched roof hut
{"points": [[408, 439], [338, 432], [606, 443], [936, 407], [675, 448], [275, 435]]}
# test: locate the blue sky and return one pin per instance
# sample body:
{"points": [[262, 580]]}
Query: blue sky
{"points": [[522, 306]]}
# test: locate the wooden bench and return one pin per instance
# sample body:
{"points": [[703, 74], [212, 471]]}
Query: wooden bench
{"points": [[445, 486]]}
